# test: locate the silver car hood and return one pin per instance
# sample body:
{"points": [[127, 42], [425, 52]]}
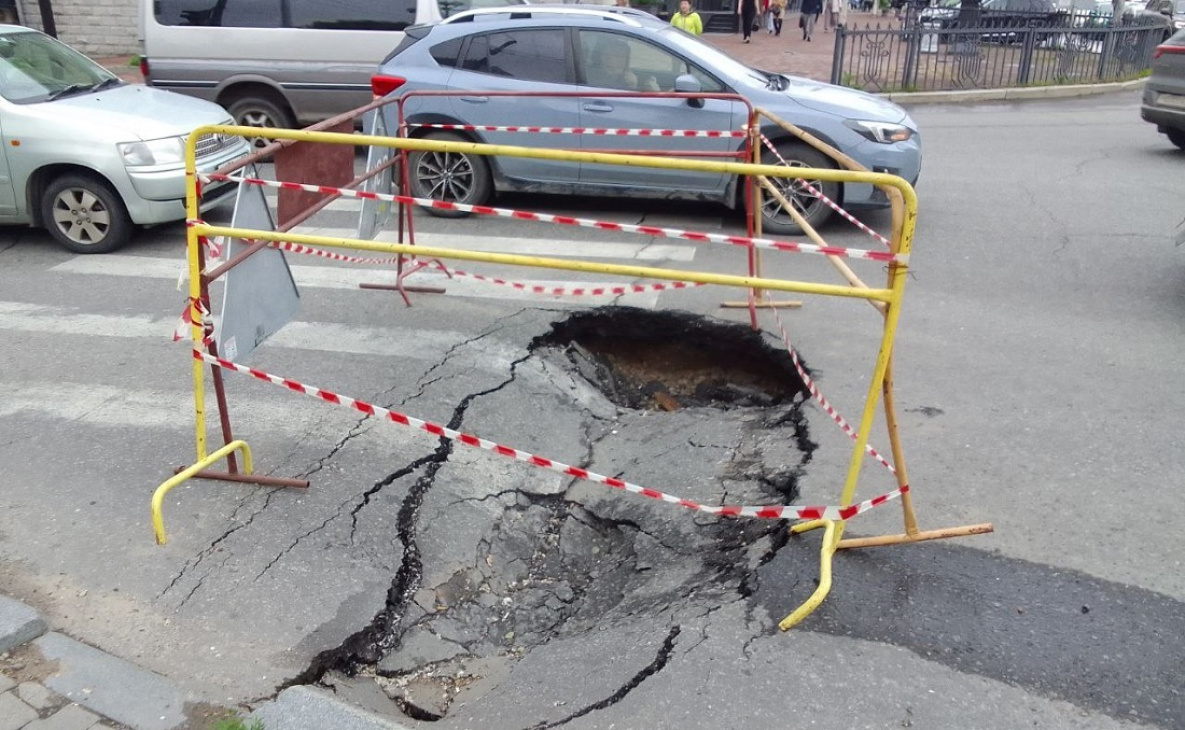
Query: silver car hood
{"points": [[135, 111], [842, 102]]}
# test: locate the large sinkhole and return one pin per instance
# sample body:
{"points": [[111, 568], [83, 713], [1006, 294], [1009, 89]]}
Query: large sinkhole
{"points": [[664, 360], [535, 566]]}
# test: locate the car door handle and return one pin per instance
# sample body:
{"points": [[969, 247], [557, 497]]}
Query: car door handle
{"points": [[598, 106], [475, 99]]}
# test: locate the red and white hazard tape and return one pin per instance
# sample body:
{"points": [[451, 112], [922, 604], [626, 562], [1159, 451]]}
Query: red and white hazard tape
{"points": [[765, 243], [212, 246], [181, 331], [822, 401], [828, 201], [607, 131], [590, 290], [772, 512]]}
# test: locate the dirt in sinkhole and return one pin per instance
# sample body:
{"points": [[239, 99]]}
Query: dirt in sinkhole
{"points": [[666, 360]]}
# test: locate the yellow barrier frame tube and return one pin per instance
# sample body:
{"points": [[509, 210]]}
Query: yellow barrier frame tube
{"points": [[197, 326], [158, 497], [887, 300]]}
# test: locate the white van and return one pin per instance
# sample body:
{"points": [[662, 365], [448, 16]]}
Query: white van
{"points": [[279, 63]]}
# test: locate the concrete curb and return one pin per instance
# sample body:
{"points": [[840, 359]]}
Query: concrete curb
{"points": [[19, 624], [305, 708], [122, 692], [1011, 94]]}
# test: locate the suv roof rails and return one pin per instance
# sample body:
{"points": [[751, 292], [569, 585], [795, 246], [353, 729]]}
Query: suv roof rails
{"points": [[614, 13]]}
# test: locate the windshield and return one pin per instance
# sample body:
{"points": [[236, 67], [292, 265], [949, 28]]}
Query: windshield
{"points": [[711, 58], [35, 67]]}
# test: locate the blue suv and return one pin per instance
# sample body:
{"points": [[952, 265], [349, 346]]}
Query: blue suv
{"points": [[573, 56]]}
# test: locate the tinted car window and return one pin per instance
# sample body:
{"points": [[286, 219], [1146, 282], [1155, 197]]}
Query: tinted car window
{"points": [[352, 14], [447, 53], [227, 13], [532, 55]]}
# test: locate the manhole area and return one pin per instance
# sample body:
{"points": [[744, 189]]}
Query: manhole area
{"points": [[664, 360]]}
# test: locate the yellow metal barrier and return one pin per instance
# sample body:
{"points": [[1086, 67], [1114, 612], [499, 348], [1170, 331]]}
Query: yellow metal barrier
{"points": [[158, 497], [887, 300]]}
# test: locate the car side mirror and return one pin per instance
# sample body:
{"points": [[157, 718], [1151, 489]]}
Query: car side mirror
{"points": [[688, 84]]}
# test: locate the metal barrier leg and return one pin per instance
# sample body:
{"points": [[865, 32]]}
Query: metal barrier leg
{"points": [[826, 551], [158, 520]]}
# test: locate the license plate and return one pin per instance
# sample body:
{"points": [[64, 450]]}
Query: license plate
{"points": [[1176, 102]]}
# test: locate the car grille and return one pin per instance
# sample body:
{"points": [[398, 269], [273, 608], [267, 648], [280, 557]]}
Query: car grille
{"points": [[212, 144]]}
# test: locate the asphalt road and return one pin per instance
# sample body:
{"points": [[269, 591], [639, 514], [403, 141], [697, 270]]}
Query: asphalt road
{"points": [[1036, 376]]}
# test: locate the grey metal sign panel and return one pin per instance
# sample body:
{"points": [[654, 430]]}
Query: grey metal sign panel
{"points": [[259, 294], [376, 214]]}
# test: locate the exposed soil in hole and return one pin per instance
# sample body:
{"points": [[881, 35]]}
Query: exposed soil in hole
{"points": [[557, 566], [644, 359]]}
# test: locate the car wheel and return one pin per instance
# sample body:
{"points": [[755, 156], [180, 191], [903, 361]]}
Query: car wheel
{"points": [[1177, 137], [255, 111], [85, 215], [454, 177], [774, 218]]}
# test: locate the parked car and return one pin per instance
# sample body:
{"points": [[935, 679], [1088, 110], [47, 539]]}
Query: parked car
{"points": [[1164, 91], [569, 50], [1169, 13], [89, 156], [1001, 20], [278, 63]]}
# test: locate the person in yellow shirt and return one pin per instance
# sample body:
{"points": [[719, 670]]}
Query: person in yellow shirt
{"points": [[687, 20]]}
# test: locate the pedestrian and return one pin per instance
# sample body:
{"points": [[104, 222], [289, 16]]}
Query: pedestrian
{"points": [[747, 9], [778, 9], [687, 19], [834, 14], [807, 17]]}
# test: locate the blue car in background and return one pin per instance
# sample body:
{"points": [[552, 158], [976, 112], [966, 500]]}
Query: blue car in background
{"points": [[589, 51]]}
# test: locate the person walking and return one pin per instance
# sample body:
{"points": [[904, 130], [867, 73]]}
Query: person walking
{"points": [[778, 8], [808, 16], [834, 14], [687, 19], [747, 9]]}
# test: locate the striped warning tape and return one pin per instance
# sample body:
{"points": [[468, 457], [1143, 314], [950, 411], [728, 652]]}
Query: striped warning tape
{"points": [[608, 131], [765, 243], [588, 290], [773, 512], [818, 395], [828, 201]]}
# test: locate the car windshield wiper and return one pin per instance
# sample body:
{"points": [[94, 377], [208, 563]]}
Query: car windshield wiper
{"points": [[69, 90], [107, 83], [80, 88]]}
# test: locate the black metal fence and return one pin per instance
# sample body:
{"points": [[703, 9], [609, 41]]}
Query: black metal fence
{"points": [[927, 56]]}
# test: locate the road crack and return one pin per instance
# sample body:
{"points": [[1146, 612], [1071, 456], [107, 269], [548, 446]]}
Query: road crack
{"points": [[654, 667]]}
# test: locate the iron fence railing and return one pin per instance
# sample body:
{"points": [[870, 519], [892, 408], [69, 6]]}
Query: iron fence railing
{"points": [[925, 57]]}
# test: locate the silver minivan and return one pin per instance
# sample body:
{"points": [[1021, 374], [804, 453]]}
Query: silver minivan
{"points": [[88, 156], [279, 63]]}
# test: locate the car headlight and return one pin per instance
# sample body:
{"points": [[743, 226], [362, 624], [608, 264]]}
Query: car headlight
{"points": [[882, 132], [167, 151]]}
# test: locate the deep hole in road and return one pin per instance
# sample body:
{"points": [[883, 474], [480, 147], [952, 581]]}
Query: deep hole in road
{"points": [[644, 359], [554, 565]]}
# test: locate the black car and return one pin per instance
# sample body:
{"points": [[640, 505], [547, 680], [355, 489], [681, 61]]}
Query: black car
{"points": [[1000, 20]]}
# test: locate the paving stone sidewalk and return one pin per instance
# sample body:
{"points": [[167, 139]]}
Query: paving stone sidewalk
{"points": [[49, 681]]}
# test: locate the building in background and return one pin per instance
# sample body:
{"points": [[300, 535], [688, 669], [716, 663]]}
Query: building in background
{"points": [[98, 28]]}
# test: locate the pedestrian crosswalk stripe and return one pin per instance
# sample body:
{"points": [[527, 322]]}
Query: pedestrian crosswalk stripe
{"points": [[93, 404], [397, 342], [342, 277]]}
